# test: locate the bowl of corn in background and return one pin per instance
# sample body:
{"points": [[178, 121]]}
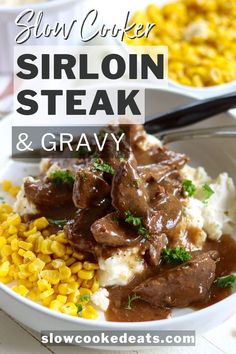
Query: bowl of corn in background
{"points": [[200, 36]]}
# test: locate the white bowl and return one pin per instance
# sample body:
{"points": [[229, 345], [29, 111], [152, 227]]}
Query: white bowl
{"points": [[216, 156], [62, 11], [121, 8]]}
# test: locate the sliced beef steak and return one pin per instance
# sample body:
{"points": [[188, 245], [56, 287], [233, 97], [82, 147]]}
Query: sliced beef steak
{"points": [[111, 231], [183, 285], [89, 189]]}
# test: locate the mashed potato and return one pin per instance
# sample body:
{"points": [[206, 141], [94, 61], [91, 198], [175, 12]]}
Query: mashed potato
{"points": [[22, 205], [217, 216], [101, 299], [120, 268]]}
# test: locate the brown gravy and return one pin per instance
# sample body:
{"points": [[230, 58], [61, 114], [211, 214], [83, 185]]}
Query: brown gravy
{"points": [[142, 311]]}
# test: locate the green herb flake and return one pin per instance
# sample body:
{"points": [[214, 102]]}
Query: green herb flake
{"points": [[79, 309], [226, 281], [189, 187], [207, 192], [137, 223], [176, 255], [85, 297], [131, 298], [60, 177], [132, 220], [2, 200], [103, 166], [60, 223]]}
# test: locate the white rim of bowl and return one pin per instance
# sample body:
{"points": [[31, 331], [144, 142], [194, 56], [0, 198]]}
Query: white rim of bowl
{"points": [[110, 324]]}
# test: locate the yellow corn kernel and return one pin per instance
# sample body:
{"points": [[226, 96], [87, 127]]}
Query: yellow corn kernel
{"points": [[30, 232], [43, 285], [52, 276], [70, 261], [73, 297], [65, 272], [55, 305], [76, 267], [6, 251], [14, 245], [69, 251], [27, 283], [5, 208], [4, 269], [46, 294], [3, 241], [22, 228], [36, 266], [78, 256], [6, 280], [44, 257], [45, 247], [34, 294], [38, 242], [10, 238], [48, 300], [62, 299], [89, 312], [85, 274], [87, 283], [14, 219], [69, 309], [95, 285], [60, 237], [90, 266], [20, 289], [25, 245], [33, 238], [58, 249], [74, 278], [57, 263], [16, 258], [33, 277], [6, 185], [21, 252], [64, 289], [41, 223], [14, 191], [28, 255], [12, 230]]}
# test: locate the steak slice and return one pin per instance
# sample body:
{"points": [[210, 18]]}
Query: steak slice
{"points": [[183, 285]]}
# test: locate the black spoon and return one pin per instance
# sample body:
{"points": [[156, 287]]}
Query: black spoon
{"points": [[190, 113]]}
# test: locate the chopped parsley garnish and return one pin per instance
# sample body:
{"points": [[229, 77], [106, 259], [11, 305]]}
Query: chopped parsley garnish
{"points": [[189, 187], [226, 281], [59, 223], [85, 297], [207, 191], [137, 223], [79, 308], [176, 255], [103, 166], [132, 220], [2, 199], [131, 298], [59, 177]]}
